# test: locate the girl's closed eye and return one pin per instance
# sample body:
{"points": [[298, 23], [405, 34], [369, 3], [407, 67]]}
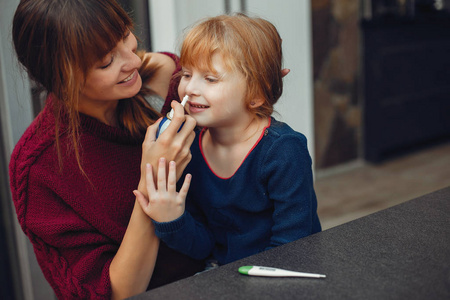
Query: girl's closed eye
{"points": [[211, 79], [186, 75]]}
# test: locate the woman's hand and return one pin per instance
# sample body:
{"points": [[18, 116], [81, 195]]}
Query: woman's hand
{"points": [[163, 204], [172, 145], [164, 66]]}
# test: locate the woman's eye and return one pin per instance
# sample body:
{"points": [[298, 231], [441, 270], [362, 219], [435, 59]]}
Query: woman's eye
{"points": [[211, 79], [186, 75], [127, 34], [108, 64]]}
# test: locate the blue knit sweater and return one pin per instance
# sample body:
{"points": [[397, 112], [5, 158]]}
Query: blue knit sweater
{"points": [[269, 201]]}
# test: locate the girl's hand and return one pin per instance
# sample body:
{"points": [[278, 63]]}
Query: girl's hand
{"points": [[173, 145], [163, 204]]}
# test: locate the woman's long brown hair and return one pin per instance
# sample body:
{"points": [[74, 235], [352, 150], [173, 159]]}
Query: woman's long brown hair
{"points": [[59, 41]]}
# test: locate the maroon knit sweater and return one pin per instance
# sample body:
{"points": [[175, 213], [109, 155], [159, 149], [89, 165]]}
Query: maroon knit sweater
{"points": [[76, 227]]}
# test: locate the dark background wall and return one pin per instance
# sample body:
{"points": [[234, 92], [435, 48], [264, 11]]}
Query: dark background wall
{"points": [[380, 78]]}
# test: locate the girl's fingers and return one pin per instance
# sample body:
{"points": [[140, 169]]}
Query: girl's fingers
{"points": [[185, 187], [162, 174], [172, 178], [149, 179]]}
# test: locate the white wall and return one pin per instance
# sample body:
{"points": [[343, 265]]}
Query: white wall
{"points": [[168, 18], [293, 21], [16, 112]]}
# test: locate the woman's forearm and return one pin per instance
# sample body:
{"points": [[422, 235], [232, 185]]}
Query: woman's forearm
{"points": [[132, 267]]}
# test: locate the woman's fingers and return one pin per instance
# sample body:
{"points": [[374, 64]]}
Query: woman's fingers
{"points": [[148, 149], [181, 124], [172, 145], [187, 135], [177, 119], [150, 134], [189, 125]]}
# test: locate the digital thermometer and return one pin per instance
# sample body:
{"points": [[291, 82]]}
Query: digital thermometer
{"points": [[275, 272]]}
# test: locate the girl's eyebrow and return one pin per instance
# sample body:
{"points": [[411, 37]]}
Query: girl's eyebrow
{"points": [[203, 70]]}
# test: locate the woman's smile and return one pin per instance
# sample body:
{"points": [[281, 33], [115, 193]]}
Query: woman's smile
{"points": [[130, 80]]}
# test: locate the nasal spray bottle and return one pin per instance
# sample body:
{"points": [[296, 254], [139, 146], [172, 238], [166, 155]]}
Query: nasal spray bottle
{"points": [[168, 118]]}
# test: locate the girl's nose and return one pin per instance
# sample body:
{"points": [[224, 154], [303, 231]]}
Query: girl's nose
{"points": [[191, 88]]}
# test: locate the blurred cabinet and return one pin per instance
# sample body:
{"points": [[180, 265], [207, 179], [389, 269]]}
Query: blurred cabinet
{"points": [[406, 68]]}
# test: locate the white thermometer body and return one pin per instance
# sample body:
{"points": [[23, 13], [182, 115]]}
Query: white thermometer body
{"points": [[275, 272]]}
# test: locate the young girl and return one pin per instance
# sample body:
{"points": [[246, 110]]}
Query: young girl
{"points": [[73, 171], [252, 185]]}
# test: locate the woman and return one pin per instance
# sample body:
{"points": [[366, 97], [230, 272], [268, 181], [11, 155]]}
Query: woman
{"points": [[74, 169]]}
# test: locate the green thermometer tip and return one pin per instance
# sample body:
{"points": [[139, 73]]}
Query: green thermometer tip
{"points": [[244, 270]]}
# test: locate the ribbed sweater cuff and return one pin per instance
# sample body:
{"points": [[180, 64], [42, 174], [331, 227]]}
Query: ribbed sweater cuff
{"points": [[170, 227]]}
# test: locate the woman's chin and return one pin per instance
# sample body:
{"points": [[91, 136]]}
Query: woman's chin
{"points": [[135, 88]]}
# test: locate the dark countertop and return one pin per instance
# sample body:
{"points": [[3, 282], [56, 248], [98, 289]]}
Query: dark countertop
{"points": [[402, 252]]}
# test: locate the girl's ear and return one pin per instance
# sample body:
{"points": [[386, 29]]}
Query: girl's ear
{"points": [[255, 103]]}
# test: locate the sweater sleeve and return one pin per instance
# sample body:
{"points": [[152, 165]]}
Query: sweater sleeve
{"points": [[287, 167], [74, 256], [187, 235]]}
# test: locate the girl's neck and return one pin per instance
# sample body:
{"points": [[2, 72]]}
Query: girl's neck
{"points": [[225, 149], [238, 133]]}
